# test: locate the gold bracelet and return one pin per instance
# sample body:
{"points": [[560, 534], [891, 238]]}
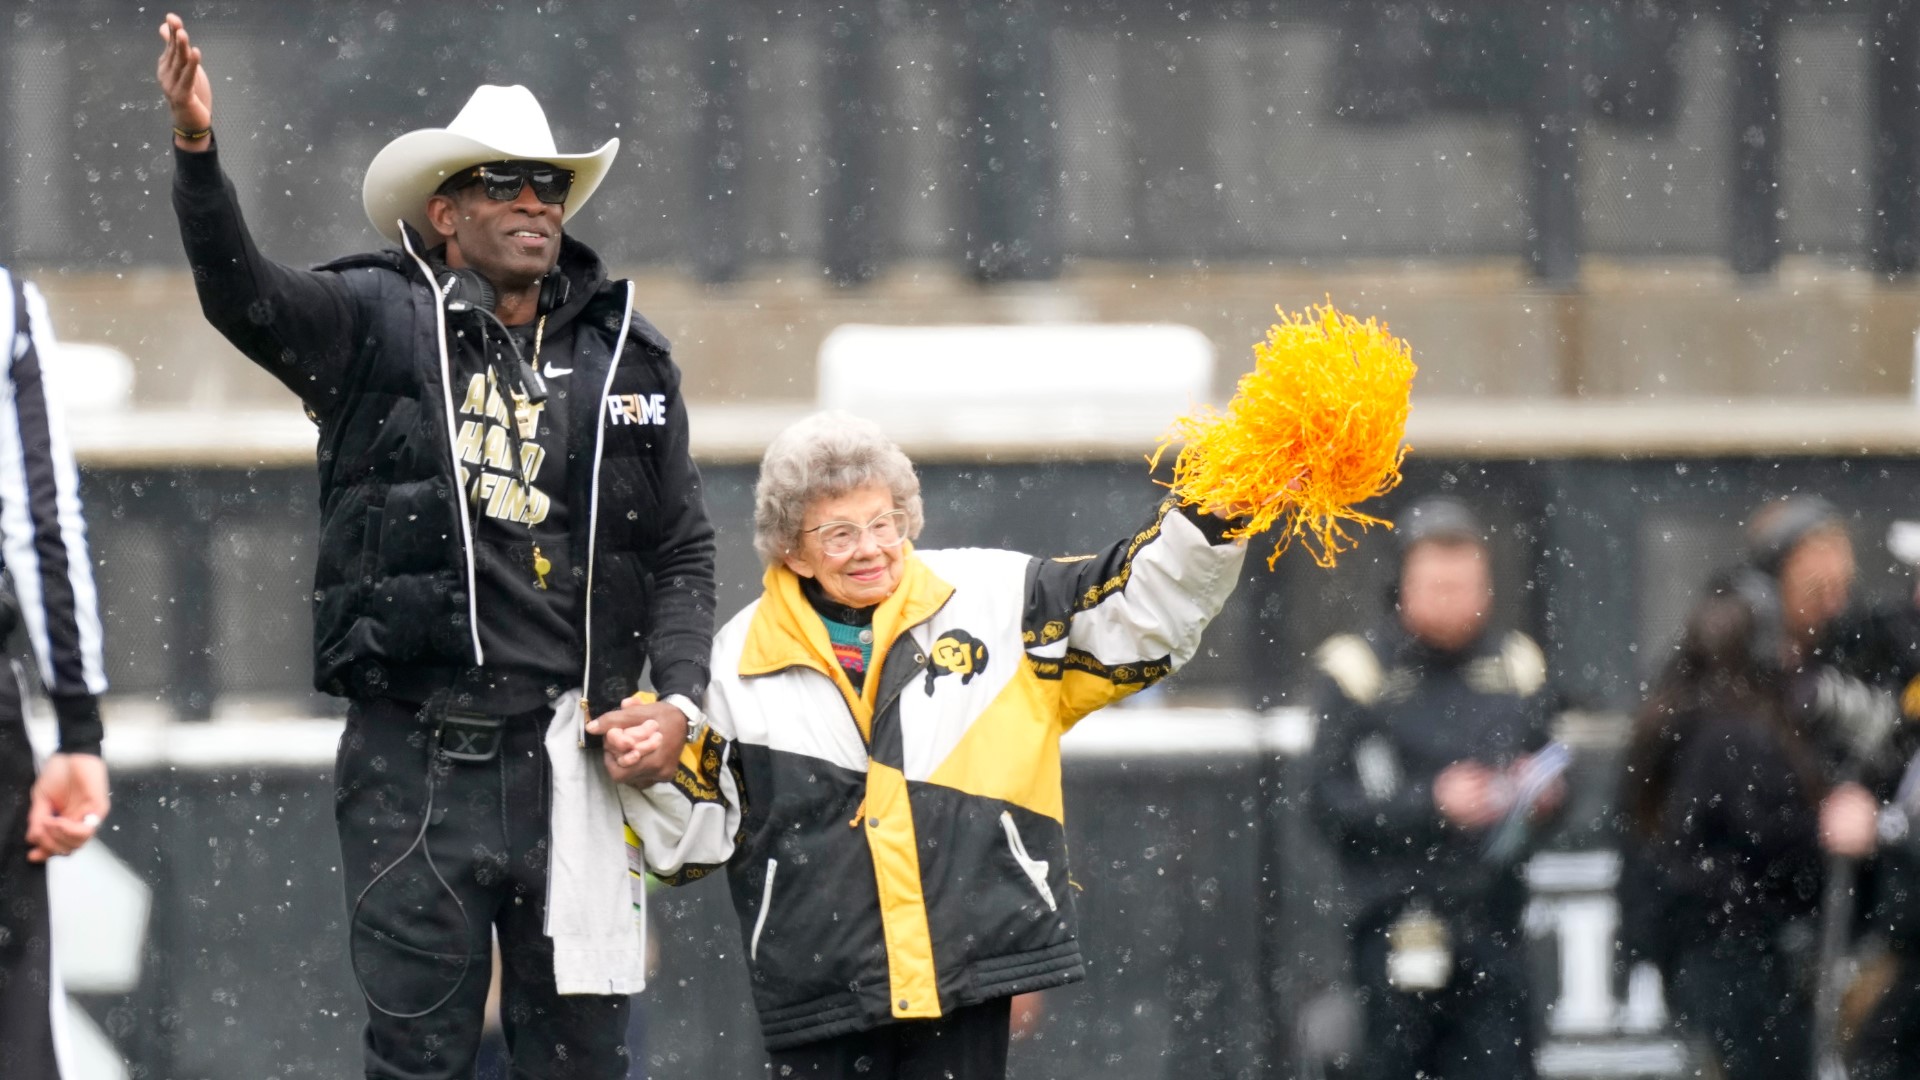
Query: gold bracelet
{"points": [[193, 136]]}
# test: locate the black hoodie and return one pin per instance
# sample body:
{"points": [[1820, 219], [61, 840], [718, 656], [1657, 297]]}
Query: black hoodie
{"points": [[516, 459]]}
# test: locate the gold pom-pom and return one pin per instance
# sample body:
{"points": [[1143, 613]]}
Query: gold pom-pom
{"points": [[1312, 430]]}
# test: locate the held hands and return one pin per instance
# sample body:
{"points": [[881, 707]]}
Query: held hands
{"points": [[184, 82], [1849, 821], [643, 740], [68, 802]]}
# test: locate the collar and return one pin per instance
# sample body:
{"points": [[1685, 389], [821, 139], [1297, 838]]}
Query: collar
{"points": [[786, 632]]}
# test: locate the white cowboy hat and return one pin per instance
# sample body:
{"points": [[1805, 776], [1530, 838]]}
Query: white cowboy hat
{"points": [[498, 123]]}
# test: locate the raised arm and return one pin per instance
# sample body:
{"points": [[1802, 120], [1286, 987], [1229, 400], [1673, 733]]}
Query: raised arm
{"points": [[184, 82], [297, 324]]}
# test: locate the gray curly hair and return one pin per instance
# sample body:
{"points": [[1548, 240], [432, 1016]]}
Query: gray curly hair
{"points": [[825, 456]]}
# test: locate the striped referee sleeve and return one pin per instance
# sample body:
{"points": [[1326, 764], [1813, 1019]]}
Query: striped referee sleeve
{"points": [[42, 534]]}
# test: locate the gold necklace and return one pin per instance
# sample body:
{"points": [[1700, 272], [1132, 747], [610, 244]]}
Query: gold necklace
{"points": [[525, 424], [542, 566], [522, 403]]}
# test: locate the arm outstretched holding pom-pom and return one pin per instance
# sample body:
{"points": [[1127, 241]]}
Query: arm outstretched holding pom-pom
{"points": [[1314, 429]]}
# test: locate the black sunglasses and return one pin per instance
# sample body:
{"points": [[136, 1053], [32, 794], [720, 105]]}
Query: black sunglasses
{"points": [[504, 180]]}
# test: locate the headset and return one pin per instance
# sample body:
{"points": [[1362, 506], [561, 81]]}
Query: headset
{"points": [[555, 290], [472, 287], [468, 292]]}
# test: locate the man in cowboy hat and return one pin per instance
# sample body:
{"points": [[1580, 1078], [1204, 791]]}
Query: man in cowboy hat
{"points": [[512, 532]]}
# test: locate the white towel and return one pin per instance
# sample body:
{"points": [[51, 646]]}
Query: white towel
{"points": [[596, 919]]}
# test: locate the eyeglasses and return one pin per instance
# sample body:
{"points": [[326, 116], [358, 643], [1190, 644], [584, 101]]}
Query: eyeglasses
{"points": [[504, 180], [839, 538]]}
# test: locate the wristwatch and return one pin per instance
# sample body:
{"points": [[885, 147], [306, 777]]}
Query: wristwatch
{"points": [[696, 718]]}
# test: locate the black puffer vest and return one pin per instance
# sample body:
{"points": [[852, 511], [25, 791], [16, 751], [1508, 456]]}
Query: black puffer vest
{"points": [[394, 610]]}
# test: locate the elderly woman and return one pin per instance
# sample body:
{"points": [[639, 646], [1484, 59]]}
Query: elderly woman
{"points": [[881, 773]]}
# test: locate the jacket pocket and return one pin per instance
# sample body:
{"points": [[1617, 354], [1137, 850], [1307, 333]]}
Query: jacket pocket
{"points": [[760, 920], [1035, 869], [375, 533]]}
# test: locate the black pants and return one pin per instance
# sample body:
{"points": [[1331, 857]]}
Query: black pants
{"points": [[968, 1044], [1745, 999], [1478, 1026], [422, 930], [26, 946]]}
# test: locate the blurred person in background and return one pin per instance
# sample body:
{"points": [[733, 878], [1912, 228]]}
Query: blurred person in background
{"points": [[1430, 772], [1880, 643], [1800, 544], [1800, 576], [512, 533], [43, 538], [881, 777], [1748, 800], [1722, 793]]}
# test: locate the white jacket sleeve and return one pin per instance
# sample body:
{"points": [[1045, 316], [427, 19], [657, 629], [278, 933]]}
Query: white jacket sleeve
{"points": [[1121, 620]]}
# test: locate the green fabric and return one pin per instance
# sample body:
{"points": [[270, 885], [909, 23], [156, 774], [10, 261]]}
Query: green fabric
{"points": [[847, 644]]}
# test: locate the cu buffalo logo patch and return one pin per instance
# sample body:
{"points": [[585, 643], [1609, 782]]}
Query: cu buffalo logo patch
{"points": [[956, 653]]}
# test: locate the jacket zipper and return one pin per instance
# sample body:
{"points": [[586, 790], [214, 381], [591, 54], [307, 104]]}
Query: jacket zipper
{"points": [[593, 518], [1035, 869], [881, 706], [593, 510], [760, 920], [920, 659], [453, 454]]}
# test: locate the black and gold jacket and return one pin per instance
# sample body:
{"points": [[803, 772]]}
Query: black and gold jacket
{"points": [[1391, 714], [898, 852]]}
